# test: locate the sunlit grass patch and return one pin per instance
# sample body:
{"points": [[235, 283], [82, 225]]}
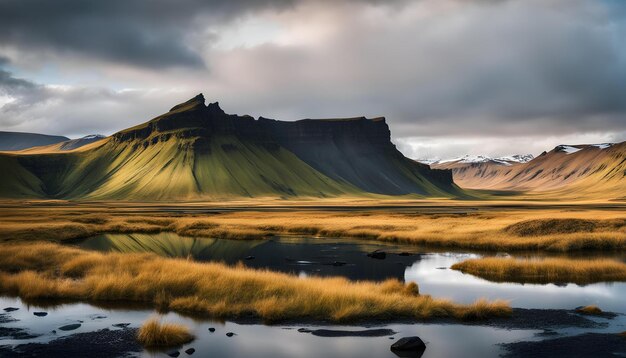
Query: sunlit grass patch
{"points": [[547, 270], [217, 290], [590, 310], [153, 334]]}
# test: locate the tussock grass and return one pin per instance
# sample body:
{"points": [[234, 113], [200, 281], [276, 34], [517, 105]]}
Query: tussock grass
{"points": [[153, 334], [540, 227], [490, 230], [547, 270], [46, 270], [590, 310]]}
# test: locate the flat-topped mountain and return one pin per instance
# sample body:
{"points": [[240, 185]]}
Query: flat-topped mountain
{"points": [[197, 151]]}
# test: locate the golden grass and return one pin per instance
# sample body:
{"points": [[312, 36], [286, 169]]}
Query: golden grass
{"points": [[545, 270], [479, 228], [52, 271], [590, 310], [154, 334]]}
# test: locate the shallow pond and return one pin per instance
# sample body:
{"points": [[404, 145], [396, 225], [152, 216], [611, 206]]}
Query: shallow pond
{"points": [[348, 257], [326, 257], [255, 340]]}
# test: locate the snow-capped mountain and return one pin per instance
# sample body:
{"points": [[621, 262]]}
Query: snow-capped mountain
{"points": [[77, 143], [471, 159], [569, 149]]}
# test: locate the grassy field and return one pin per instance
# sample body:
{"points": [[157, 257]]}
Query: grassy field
{"points": [[437, 224], [51, 271], [546, 270]]}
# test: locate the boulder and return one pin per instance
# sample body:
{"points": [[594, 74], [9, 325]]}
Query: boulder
{"points": [[409, 347]]}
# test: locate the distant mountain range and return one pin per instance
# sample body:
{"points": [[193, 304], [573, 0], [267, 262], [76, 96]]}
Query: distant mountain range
{"points": [[11, 141], [471, 159], [591, 170], [196, 152]]}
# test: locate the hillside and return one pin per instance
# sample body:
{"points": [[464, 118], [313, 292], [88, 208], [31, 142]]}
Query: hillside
{"points": [[68, 145], [11, 141], [572, 170], [200, 152]]}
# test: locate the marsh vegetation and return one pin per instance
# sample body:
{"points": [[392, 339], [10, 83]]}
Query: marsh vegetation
{"points": [[156, 334], [51, 271], [476, 228], [544, 270]]}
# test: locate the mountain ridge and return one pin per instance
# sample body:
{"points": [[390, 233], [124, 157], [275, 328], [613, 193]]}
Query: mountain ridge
{"points": [[590, 170], [14, 141], [200, 152]]}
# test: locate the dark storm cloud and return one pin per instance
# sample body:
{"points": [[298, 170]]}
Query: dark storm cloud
{"points": [[142, 33]]}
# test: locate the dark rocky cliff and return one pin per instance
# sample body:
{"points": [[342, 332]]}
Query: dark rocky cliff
{"points": [[357, 150]]}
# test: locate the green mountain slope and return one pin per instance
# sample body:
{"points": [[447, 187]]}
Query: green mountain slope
{"points": [[198, 152]]}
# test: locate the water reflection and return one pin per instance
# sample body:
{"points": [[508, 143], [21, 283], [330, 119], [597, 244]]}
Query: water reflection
{"points": [[344, 257], [254, 340]]}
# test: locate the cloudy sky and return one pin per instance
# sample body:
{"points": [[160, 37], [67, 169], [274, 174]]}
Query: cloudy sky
{"points": [[452, 77]]}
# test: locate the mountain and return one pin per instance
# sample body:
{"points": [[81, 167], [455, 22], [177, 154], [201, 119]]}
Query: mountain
{"points": [[12, 141], [67, 145], [473, 159], [196, 151], [77, 143], [591, 170]]}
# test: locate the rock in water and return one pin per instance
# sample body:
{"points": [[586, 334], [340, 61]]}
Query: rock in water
{"points": [[11, 309], [40, 314], [211, 329], [173, 353], [190, 351], [70, 327], [230, 334], [409, 347], [380, 255]]}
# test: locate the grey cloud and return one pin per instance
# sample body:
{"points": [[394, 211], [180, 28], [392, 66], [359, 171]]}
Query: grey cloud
{"points": [[142, 33], [478, 68], [440, 69]]}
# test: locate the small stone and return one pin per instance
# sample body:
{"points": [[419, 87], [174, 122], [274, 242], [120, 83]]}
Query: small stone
{"points": [[211, 329], [121, 325], [173, 353], [230, 334], [11, 309], [70, 327], [379, 255], [190, 351], [40, 314]]}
